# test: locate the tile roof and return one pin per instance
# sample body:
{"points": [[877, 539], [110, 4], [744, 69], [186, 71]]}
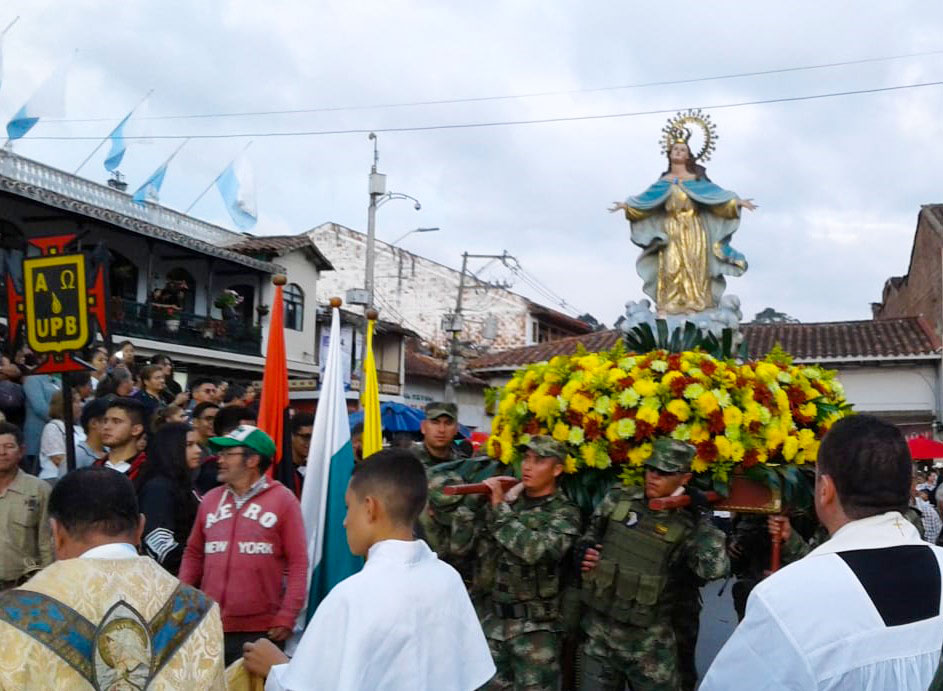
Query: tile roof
{"points": [[516, 357], [847, 341], [850, 340], [277, 245], [420, 365]]}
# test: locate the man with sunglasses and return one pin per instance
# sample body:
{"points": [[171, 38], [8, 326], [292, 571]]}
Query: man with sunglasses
{"points": [[632, 562], [247, 549]]}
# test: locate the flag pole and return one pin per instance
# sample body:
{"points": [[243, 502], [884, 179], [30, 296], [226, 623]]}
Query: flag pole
{"points": [[9, 26], [108, 136], [214, 181]]}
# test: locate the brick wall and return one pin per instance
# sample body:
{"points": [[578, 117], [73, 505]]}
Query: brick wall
{"points": [[920, 292], [417, 292]]}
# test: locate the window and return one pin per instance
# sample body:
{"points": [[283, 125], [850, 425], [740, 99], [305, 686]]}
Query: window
{"points": [[294, 307], [122, 277]]}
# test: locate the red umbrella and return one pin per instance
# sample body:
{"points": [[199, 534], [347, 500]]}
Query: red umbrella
{"points": [[923, 449]]}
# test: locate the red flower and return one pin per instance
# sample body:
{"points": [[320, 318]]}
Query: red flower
{"points": [[707, 451], [497, 449], [677, 386], [554, 390], [795, 395], [755, 426], [674, 362], [618, 412], [643, 430], [667, 422], [574, 418], [715, 422], [763, 395], [591, 430], [532, 427], [626, 382], [750, 458], [708, 367], [619, 451]]}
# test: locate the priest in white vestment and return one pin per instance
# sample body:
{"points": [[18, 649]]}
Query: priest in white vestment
{"points": [[863, 611], [404, 622]]}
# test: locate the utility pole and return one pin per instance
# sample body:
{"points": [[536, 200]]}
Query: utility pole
{"points": [[377, 190], [454, 323]]}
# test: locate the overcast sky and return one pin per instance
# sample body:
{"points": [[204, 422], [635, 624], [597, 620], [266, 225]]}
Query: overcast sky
{"points": [[839, 181]]}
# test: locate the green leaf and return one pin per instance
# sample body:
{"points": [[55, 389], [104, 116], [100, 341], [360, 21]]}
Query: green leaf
{"points": [[727, 345], [662, 326]]}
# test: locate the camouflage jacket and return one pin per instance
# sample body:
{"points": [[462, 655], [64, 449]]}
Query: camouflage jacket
{"points": [[702, 553], [531, 532]]}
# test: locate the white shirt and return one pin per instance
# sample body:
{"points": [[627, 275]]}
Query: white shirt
{"points": [[52, 443], [111, 550], [403, 623], [823, 623]]}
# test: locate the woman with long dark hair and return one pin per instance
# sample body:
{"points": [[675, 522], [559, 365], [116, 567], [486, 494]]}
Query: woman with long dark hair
{"points": [[166, 495]]}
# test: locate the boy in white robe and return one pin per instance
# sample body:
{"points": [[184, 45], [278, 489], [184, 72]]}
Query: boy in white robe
{"points": [[404, 622]]}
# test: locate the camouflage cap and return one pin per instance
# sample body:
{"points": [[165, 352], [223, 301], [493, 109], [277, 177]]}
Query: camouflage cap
{"points": [[671, 456], [545, 447], [439, 408]]}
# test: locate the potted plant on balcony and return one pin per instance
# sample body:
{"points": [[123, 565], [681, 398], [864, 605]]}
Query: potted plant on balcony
{"points": [[227, 301], [262, 310], [171, 316]]}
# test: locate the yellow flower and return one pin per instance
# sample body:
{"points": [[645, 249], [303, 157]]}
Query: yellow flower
{"points": [[542, 405], [723, 447], [736, 451], [625, 428], [570, 388], [706, 403], [766, 371], [612, 432], [588, 452], [615, 375], [680, 409], [561, 432], [603, 405], [774, 437], [723, 397], [649, 415], [790, 447], [640, 454], [576, 436], [513, 385], [670, 377], [507, 403], [628, 398], [732, 416], [806, 438], [645, 387], [809, 410], [693, 391], [581, 403], [782, 401], [761, 455], [698, 465], [699, 433], [569, 465]]}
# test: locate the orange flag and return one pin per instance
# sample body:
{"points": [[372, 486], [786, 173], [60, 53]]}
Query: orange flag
{"points": [[273, 406]]}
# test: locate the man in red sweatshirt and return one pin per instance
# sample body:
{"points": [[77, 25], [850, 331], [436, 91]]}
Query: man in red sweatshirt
{"points": [[247, 549]]}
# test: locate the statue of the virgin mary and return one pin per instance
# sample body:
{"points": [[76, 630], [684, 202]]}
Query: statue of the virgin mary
{"points": [[684, 223]]}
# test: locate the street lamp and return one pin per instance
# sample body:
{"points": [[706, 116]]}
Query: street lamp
{"points": [[378, 197], [410, 232]]}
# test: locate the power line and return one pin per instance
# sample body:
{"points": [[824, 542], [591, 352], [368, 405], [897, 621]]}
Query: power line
{"points": [[532, 94], [505, 123]]}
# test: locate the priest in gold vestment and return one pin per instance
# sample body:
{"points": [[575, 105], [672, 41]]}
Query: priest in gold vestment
{"points": [[102, 617]]}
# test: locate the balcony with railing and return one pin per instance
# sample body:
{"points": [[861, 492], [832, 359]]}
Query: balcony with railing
{"points": [[168, 324]]}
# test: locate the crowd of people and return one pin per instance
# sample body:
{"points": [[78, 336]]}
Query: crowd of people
{"points": [[195, 558]]}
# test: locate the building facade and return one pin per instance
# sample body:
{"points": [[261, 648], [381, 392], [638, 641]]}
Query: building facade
{"points": [[418, 292]]}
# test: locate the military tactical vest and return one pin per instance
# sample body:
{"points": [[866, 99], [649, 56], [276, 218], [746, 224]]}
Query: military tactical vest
{"points": [[534, 586], [637, 549]]}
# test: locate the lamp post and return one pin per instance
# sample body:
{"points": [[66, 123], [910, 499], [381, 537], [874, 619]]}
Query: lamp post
{"points": [[410, 232], [378, 197]]}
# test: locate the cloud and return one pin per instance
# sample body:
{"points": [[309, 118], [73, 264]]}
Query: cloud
{"points": [[839, 181]]}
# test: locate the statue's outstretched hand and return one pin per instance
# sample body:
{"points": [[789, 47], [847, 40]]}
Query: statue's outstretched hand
{"points": [[748, 204], [617, 206]]}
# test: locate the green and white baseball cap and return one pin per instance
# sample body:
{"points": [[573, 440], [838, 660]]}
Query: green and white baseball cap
{"points": [[249, 436]]}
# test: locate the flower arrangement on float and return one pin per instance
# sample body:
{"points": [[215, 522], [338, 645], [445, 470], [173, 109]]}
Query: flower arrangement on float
{"points": [[609, 407]]}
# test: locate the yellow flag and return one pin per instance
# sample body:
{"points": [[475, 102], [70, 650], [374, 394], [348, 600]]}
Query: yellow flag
{"points": [[370, 399]]}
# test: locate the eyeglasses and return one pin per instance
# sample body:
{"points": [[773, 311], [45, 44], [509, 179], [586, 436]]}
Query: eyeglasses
{"points": [[232, 454]]}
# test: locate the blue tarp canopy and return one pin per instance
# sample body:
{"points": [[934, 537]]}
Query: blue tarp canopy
{"points": [[398, 417]]}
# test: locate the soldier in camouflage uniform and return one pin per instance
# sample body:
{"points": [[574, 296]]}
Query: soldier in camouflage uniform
{"points": [[631, 554], [533, 528], [436, 451]]}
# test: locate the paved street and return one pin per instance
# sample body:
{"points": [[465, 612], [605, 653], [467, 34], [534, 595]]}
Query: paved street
{"points": [[718, 620]]}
